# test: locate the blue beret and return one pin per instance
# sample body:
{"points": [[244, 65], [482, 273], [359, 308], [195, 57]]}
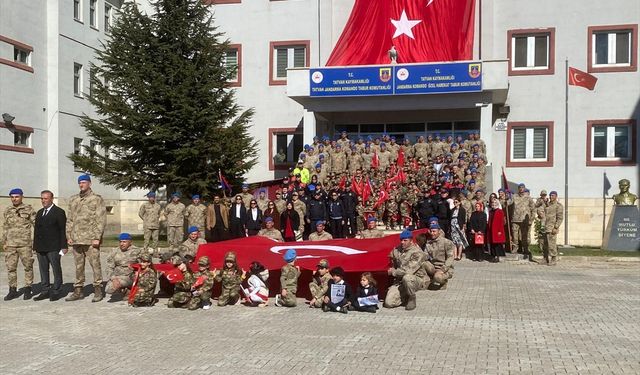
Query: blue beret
{"points": [[302, 155], [434, 226], [553, 192], [475, 144], [306, 146], [472, 181], [318, 165], [176, 194], [311, 148], [245, 185], [369, 138], [268, 219], [501, 190], [370, 219], [382, 144], [151, 194], [84, 177], [124, 237], [338, 145], [473, 170], [526, 190], [474, 156], [454, 145], [195, 196], [479, 191], [433, 218], [437, 135], [406, 234], [393, 138], [16, 191], [344, 132], [521, 184], [315, 137], [290, 255], [321, 156], [325, 138], [319, 222], [192, 229]]}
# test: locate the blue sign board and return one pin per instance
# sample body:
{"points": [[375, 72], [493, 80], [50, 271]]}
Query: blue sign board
{"points": [[397, 79]]}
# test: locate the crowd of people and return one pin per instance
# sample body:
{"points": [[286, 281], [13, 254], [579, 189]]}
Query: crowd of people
{"points": [[338, 189]]}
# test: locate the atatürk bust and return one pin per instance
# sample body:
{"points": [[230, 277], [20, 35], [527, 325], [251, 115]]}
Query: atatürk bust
{"points": [[624, 198]]}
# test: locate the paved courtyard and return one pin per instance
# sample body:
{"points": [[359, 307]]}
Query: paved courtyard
{"points": [[507, 318]]}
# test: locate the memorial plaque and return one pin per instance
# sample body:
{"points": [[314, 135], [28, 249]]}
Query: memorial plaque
{"points": [[623, 229]]}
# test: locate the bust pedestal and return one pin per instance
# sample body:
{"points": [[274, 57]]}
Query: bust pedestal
{"points": [[623, 229]]}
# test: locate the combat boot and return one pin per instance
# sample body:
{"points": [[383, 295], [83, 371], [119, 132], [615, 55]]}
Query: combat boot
{"points": [[77, 294], [28, 293], [411, 303], [98, 295], [553, 261], [13, 293]]}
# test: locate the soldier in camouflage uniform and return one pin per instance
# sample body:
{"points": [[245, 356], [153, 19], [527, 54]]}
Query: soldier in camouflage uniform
{"points": [[231, 277], [182, 289], [150, 214], [246, 196], [355, 160], [262, 200], [196, 214], [17, 227], [339, 160], [201, 294], [288, 281], [408, 271], [320, 283], [147, 280], [439, 267], [174, 212], [281, 204], [118, 262], [392, 213], [270, 231], [552, 219], [85, 227], [320, 234], [360, 215], [523, 211], [190, 246], [371, 231]]}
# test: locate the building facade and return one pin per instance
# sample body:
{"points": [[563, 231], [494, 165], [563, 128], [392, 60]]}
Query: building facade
{"points": [[520, 111]]}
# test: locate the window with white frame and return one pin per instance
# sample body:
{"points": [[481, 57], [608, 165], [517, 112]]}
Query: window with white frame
{"points": [[611, 142], [286, 148], [77, 10], [107, 18], [21, 138], [529, 144], [77, 149], [530, 51], [77, 79], [93, 13], [231, 56], [22, 56], [286, 57], [611, 48]]}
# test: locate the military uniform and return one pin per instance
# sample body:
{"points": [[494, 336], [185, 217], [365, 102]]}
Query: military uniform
{"points": [[392, 213], [409, 274], [289, 280], [318, 288], [190, 247], [196, 215], [272, 233], [175, 224], [85, 223], [339, 162], [553, 217], [120, 274], [246, 199], [355, 162], [182, 290], [315, 236], [150, 215], [372, 233], [201, 296], [281, 205], [230, 281], [523, 209], [440, 251], [16, 236], [263, 204], [145, 295], [385, 159]]}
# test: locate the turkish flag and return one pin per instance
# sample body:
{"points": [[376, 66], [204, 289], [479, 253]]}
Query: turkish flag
{"points": [[580, 78], [375, 161], [420, 31], [400, 159]]}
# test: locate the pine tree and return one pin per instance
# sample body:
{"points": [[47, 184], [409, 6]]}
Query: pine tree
{"points": [[166, 115]]}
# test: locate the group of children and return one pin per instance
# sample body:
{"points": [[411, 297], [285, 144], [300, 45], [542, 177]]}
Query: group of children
{"points": [[192, 290]]}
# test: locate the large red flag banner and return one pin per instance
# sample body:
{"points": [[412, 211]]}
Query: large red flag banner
{"points": [[420, 31], [353, 255]]}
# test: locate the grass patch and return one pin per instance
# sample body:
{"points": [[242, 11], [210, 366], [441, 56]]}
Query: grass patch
{"points": [[138, 240], [587, 252]]}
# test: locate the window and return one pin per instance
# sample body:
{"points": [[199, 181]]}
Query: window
{"points": [[531, 51], [91, 78], [611, 142], [233, 61], [612, 48], [285, 144], [286, 55], [77, 149], [107, 18], [21, 138], [21, 56], [530, 144], [77, 10], [93, 16], [77, 79]]}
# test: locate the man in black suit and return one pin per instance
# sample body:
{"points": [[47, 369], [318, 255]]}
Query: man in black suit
{"points": [[50, 242]]}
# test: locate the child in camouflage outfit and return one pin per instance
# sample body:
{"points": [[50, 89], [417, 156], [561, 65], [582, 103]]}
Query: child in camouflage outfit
{"points": [[146, 285], [182, 290], [288, 281], [231, 277], [201, 289]]}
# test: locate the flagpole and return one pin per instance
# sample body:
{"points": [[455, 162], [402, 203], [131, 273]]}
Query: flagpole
{"points": [[566, 152], [604, 202]]}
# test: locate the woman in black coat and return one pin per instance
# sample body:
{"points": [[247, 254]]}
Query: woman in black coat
{"points": [[253, 224], [478, 224], [237, 218], [289, 222]]}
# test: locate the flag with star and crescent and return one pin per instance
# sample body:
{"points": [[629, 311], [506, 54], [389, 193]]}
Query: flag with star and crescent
{"points": [[420, 31]]}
